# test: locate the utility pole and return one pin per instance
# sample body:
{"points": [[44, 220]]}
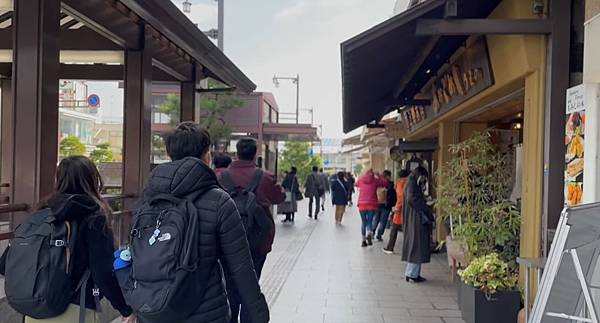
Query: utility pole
{"points": [[297, 97], [221, 26]]}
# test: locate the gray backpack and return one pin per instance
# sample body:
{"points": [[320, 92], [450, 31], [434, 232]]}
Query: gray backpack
{"points": [[37, 267], [164, 284]]}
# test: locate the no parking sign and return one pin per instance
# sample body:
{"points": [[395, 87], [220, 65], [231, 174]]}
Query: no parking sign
{"points": [[93, 100]]}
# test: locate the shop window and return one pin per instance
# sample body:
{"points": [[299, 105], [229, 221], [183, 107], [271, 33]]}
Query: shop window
{"points": [[266, 112], [91, 124]]}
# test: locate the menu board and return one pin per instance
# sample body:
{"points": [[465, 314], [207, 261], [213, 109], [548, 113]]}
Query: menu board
{"points": [[574, 141]]}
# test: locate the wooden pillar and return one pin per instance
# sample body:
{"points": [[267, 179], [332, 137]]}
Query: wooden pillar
{"points": [[36, 25], [447, 135], [557, 82], [188, 101], [190, 98], [531, 199], [137, 120], [7, 130]]}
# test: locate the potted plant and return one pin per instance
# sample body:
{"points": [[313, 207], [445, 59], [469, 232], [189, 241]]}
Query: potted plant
{"points": [[473, 195], [489, 291]]}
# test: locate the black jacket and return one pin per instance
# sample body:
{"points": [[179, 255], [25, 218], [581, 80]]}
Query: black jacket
{"points": [[339, 192], [391, 195], [223, 244], [93, 249]]}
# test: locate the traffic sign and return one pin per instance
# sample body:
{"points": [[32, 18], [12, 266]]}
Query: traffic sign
{"points": [[93, 100]]}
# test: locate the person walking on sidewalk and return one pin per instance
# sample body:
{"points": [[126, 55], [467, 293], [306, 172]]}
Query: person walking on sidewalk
{"points": [[418, 222], [325, 183], [368, 205], [389, 200], [289, 206], [222, 246], [397, 218], [339, 196], [351, 184], [77, 202], [313, 190], [241, 174], [221, 161]]}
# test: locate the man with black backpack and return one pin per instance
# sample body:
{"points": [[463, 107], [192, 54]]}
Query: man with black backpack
{"points": [[187, 236], [254, 192]]}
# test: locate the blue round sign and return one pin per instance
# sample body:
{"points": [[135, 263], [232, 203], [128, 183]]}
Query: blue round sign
{"points": [[93, 100]]}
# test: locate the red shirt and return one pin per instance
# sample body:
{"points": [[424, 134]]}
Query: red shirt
{"points": [[367, 195], [268, 193]]}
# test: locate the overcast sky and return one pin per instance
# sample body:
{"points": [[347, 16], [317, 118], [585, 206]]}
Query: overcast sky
{"points": [[289, 37]]}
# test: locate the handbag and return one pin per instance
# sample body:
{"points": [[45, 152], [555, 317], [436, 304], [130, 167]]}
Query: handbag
{"points": [[288, 196], [397, 219], [299, 196]]}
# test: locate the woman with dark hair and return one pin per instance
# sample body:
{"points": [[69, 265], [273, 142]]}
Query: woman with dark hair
{"points": [[418, 223], [339, 196], [290, 185], [77, 199]]}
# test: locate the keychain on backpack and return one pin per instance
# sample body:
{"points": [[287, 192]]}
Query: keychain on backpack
{"points": [[156, 232]]}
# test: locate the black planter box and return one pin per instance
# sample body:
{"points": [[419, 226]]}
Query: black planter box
{"points": [[503, 307]]}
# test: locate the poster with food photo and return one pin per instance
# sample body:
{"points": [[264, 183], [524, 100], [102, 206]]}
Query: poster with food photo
{"points": [[574, 141]]}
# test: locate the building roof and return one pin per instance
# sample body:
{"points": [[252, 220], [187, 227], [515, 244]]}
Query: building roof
{"points": [[384, 67], [290, 131], [98, 31]]}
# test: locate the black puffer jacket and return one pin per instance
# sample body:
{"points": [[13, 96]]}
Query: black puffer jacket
{"points": [[223, 244]]}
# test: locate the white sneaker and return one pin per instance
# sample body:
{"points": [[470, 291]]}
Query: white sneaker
{"points": [[387, 252]]}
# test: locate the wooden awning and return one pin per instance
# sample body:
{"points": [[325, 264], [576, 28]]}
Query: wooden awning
{"points": [[386, 66]]}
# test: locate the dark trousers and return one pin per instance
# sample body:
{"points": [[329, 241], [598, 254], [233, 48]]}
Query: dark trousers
{"points": [[380, 221], [235, 302], [317, 201], [393, 236]]}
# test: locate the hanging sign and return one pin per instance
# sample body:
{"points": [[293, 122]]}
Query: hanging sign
{"points": [[468, 74], [574, 141]]}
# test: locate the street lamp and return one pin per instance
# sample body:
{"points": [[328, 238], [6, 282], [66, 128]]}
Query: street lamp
{"points": [[187, 6], [295, 80]]}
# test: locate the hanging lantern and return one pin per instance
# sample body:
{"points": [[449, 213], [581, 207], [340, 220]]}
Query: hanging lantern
{"points": [[187, 6]]}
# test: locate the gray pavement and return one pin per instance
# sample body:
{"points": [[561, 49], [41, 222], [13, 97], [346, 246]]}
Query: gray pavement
{"points": [[318, 272]]}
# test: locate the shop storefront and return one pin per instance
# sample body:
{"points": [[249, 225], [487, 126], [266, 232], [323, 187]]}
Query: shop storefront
{"points": [[459, 77]]}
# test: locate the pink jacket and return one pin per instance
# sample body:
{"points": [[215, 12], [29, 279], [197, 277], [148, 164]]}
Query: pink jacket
{"points": [[367, 195]]}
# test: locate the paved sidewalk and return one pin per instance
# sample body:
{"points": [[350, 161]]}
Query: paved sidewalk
{"points": [[319, 273]]}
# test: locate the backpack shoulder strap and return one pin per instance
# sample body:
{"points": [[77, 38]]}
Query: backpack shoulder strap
{"points": [[255, 180], [227, 181], [82, 287]]}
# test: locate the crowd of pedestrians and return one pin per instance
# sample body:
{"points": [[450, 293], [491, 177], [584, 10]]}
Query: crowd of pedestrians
{"points": [[199, 239]]}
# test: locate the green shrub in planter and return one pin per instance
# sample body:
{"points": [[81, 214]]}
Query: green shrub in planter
{"points": [[489, 274], [488, 292], [473, 192]]}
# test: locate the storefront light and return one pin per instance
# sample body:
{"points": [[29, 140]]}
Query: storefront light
{"points": [[428, 71], [518, 126]]}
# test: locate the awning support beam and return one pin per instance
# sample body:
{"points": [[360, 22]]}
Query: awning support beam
{"points": [[468, 27]]}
